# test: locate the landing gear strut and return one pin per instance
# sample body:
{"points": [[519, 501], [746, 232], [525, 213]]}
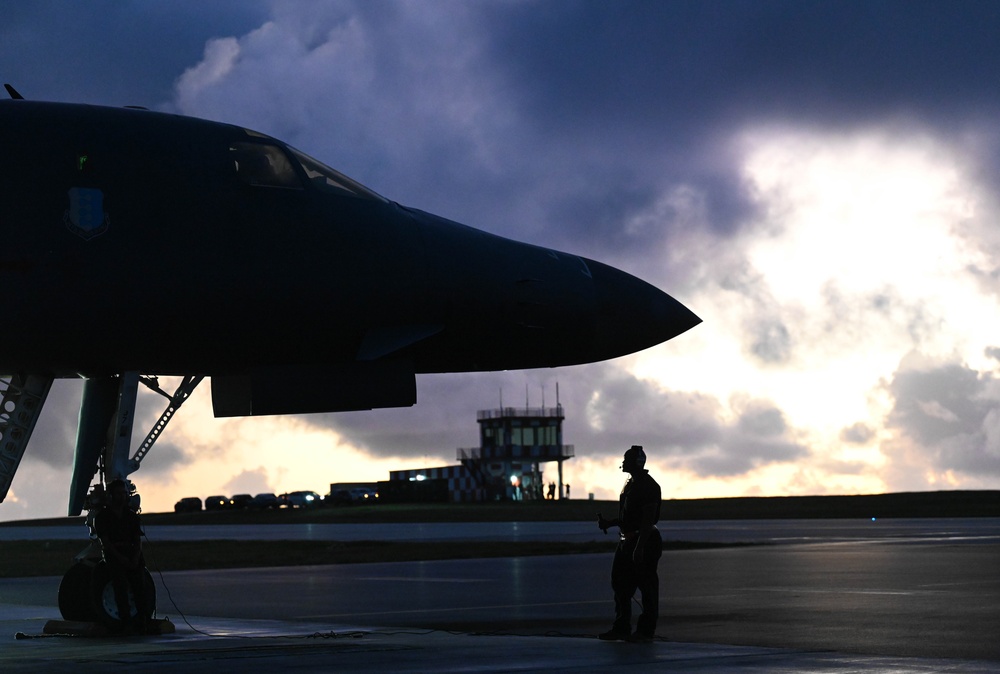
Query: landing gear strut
{"points": [[86, 592]]}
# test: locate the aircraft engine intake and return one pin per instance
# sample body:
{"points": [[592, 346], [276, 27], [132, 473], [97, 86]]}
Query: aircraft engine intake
{"points": [[338, 388]]}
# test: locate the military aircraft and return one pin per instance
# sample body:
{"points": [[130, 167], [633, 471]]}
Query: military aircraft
{"points": [[137, 244]]}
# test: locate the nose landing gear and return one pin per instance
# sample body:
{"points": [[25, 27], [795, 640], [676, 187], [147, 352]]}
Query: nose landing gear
{"points": [[101, 585]]}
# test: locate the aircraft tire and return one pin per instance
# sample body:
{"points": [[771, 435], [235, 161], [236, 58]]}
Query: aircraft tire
{"points": [[74, 593], [102, 596]]}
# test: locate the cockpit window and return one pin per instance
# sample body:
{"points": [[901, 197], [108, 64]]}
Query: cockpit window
{"points": [[327, 179], [263, 165]]}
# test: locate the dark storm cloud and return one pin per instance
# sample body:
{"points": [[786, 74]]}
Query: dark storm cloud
{"points": [[623, 211], [620, 410], [762, 421], [948, 418], [759, 437], [54, 437], [934, 405], [111, 52], [646, 90], [163, 458], [698, 63]]}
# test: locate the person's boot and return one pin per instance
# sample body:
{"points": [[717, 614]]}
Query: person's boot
{"points": [[615, 634]]}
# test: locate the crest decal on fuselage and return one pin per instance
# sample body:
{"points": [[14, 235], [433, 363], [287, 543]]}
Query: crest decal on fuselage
{"points": [[86, 217]]}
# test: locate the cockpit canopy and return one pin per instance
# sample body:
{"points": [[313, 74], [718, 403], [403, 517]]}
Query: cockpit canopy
{"points": [[265, 163]]}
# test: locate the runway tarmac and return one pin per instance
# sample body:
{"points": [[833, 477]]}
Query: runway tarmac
{"points": [[914, 603]]}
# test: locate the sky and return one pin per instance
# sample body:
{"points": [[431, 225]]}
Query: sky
{"points": [[816, 180]]}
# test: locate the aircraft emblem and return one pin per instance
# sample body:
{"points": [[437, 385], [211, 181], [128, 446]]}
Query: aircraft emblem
{"points": [[86, 217]]}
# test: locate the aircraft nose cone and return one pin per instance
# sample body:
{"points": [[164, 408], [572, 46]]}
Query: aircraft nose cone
{"points": [[632, 315]]}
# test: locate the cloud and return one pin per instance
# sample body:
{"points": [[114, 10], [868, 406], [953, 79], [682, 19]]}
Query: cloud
{"points": [[39, 490], [771, 342], [163, 459], [108, 52], [54, 437], [857, 434], [219, 60], [250, 481], [945, 420], [760, 437]]}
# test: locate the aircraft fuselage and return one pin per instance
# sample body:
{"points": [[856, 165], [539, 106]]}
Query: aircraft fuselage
{"points": [[133, 240]]}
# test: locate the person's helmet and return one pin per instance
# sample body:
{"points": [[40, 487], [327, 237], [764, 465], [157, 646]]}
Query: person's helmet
{"points": [[118, 484], [634, 456]]}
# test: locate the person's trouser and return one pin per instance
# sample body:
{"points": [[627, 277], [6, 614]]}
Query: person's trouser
{"points": [[629, 575], [122, 580]]}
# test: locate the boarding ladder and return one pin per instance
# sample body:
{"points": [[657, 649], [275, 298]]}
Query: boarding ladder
{"points": [[21, 399]]}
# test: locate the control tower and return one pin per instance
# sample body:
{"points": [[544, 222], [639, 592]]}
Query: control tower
{"points": [[513, 442]]}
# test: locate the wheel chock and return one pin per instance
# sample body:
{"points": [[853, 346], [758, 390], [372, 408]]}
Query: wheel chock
{"points": [[75, 628]]}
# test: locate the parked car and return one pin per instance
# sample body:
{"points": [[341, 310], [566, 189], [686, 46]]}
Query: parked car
{"points": [[241, 501], [302, 499], [264, 501], [188, 504], [217, 503], [338, 497]]}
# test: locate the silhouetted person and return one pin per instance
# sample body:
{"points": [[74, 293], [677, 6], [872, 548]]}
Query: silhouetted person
{"points": [[639, 550], [552, 491], [119, 529]]}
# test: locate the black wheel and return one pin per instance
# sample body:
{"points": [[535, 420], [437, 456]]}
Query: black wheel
{"points": [[74, 593], [102, 596]]}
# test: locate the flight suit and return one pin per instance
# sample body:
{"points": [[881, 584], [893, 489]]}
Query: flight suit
{"points": [[638, 552]]}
